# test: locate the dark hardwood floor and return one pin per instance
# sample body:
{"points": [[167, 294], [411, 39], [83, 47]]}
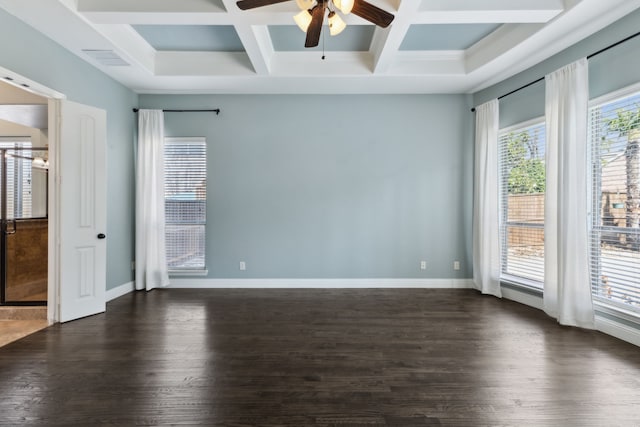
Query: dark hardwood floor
{"points": [[318, 357]]}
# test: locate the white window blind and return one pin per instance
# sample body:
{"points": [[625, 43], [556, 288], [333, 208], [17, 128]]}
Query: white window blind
{"points": [[185, 202], [18, 161], [615, 234], [522, 187]]}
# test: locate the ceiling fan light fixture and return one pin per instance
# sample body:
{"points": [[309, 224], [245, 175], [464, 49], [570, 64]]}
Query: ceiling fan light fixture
{"points": [[303, 19], [336, 24], [345, 6], [311, 19], [305, 4]]}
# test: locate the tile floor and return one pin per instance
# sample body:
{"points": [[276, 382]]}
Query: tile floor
{"points": [[18, 322], [12, 330]]}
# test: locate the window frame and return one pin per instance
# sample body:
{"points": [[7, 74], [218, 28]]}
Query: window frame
{"points": [[199, 270], [505, 277], [605, 305], [22, 178]]}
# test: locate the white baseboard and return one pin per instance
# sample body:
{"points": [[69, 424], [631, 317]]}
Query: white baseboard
{"points": [[618, 330], [320, 283], [119, 291]]}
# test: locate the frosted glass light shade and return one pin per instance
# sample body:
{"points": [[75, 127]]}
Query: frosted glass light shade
{"points": [[336, 24], [303, 19], [305, 4], [345, 6]]}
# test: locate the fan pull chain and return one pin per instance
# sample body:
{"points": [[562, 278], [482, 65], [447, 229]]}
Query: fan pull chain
{"points": [[323, 44]]}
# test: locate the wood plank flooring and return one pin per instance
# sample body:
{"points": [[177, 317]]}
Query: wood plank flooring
{"points": [[318, 358]]}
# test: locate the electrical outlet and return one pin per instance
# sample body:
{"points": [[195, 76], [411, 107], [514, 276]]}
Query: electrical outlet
{"points": [[456, 265], [423, 265], [243, 265]]}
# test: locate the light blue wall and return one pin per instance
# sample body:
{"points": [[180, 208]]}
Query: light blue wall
{"points": [[609, 71], [333, 186], [34, 56]]}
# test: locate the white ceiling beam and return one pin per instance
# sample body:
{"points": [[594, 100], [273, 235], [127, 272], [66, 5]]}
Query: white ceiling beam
{"points": [[254, 38], [153, 12], [311, 64], [203, 64], [386, 41], [488, 11], [363, 84], [156, 18], [202, 12], [257, 45], [436, 63], [249, 17], [502, 40], [151, 6]]}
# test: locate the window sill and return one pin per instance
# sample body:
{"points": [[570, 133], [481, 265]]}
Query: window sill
{"points": [[629, 316], [190, 273], [518, 283]]}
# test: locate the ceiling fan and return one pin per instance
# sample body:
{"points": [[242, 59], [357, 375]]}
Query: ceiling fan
{"points": [[310, 18]]}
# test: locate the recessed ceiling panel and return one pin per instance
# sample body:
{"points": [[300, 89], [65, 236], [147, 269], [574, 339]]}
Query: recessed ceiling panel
{"points": [[288, 38], [445, 36], [191, 38]]}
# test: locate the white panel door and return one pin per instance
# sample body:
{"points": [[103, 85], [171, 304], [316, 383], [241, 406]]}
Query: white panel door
{"points": [[83, 210]]}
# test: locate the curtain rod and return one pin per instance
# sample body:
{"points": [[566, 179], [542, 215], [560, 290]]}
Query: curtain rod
{"points": [[217, 111], [604, 49]]}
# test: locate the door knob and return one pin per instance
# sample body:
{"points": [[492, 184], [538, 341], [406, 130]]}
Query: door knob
{"points": [[101, 236]]}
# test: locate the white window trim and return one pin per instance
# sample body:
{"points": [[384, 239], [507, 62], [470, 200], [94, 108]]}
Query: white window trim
{"points": [[185, 139], [525, 124], [189, 271], [506, 277], [601, 304], [615, 95]]}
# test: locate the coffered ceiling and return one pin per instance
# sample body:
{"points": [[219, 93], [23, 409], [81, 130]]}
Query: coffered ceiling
{"points": [[211, 46]]}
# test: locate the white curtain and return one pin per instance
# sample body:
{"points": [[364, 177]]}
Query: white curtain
{"points": [[486, 227], [151, 263], [567, 286]]}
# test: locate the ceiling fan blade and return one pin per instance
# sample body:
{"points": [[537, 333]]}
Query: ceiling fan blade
{"points": [[313, 32], [252, 4], [372, 13]]}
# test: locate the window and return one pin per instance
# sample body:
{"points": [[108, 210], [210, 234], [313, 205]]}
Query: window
{"points": [[25, 178], [185, 202], [522, 186], [615, 233]]}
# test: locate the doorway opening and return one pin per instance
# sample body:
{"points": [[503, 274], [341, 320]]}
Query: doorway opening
{"points": [[23, 222], [26, 283], [75, 207]]}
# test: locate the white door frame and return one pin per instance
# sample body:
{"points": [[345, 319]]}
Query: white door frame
{"points": [[53, 298], [53, 285]]}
